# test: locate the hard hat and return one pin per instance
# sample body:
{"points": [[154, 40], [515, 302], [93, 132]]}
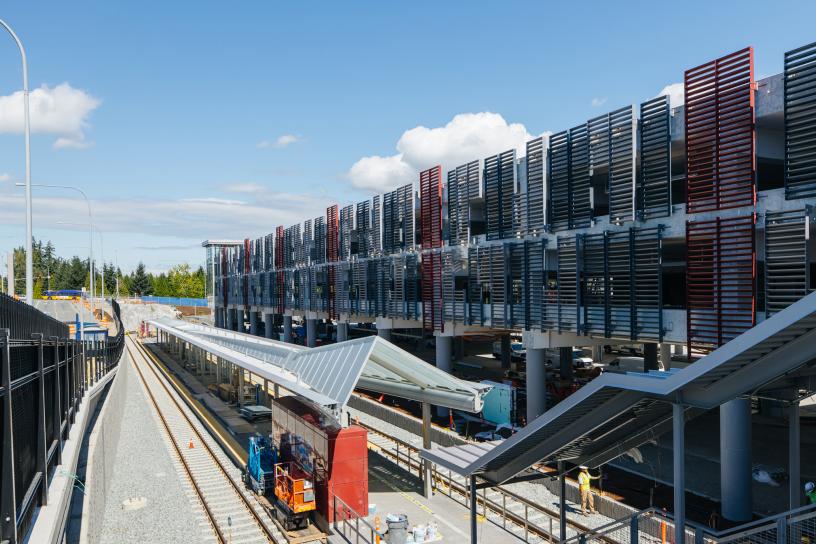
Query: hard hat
{"points": [[809, 487], [584, 467]]}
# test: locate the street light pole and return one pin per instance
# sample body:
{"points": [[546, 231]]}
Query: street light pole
{"points": [[90, 228], [27, 130]]}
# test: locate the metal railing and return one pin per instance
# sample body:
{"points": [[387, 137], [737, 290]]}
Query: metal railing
{"points": [[655, 526], [350, 525], [44, 375]]}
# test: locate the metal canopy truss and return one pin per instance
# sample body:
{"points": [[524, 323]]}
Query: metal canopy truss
{"points": [[787, 258], [654, 188], [536, 172], [328, 375], [559, 187], [720, 137], [800, 122], [500, 184], [720, 286], [580, 182], [617, 412]]}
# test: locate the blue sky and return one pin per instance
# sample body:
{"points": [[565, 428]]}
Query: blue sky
{"points": [[171, 112]]}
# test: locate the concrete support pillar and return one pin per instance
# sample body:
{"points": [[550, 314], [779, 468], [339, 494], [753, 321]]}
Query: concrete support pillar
{"points": [[650, 357], [444, 351], [506, 352], [735, 460], [253, 323], [287, 328], [665, 355], [536, 383], [230, 313], [269, 327], [266, 392], [240, 386], [794, 452], [597, 353], [565, 362], [311, 332], [218, 370], [679, 462], [342, 331], [384, 333], [427, 482]]}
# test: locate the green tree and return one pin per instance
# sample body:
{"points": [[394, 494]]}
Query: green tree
{"points": [[140, 283]]}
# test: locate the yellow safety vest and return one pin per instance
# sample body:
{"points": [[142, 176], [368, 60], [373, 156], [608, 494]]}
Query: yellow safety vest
{"points": [[583, 481]]}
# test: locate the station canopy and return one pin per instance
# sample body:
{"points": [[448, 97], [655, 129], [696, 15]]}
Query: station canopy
{"points": [[327, 375], [617, 412]]}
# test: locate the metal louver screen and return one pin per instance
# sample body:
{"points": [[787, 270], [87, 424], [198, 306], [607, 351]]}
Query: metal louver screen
{"points": [[536, 160], [430, 198], [647, 264], [622, 165], [621, 285], [346, 227], [594, 286], [580, 181], [453, 300], [800, 122], [432, 291], [787, 261], [375, 244], [363, 213], [519, 215], [332, 251], [535, 267], [720, 281], [476, 282], [319, 255], [654, 192], [559, 186], [463, 186], [499, 289], [308, 242], [720, 133], [500, 180], [568, 292]]}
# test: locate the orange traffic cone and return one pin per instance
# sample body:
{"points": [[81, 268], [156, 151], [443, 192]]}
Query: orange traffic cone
{"points": [[191, 446]]}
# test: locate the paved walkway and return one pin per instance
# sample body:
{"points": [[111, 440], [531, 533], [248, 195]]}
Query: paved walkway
{"points": [[146, 501]]}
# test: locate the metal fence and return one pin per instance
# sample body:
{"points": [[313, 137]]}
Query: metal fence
{"points": [[176, 301], [44, 375]]}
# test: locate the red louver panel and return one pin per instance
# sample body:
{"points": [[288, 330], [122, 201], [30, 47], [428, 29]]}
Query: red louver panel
{"points": [[720, 281], [430, 199], [245, 275], [332, 251], [279, 275], [432, 291], [720, 138]]}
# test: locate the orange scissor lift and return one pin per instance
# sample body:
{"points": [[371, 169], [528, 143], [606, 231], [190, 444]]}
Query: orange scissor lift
{"points": [[294, 488]]}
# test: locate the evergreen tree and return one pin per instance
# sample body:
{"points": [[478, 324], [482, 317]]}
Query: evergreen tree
{"points": [[140, 283]]}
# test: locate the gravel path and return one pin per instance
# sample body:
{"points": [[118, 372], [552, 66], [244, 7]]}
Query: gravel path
{"points": [[146, 500]]}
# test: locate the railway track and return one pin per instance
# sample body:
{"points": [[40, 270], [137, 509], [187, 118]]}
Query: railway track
{"points": [[233, 514], [528, 521]]}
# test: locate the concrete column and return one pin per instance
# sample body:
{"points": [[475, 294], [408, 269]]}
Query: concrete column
{"points": [[444, 350], [565, 361], [665, 355], [679, 462], [311, 332], [735, 460], [287, 328], [240, 386], [427, 482], [342, 331], [269, 327], [253, 323], [794, 452], [536, 383], [385, 334], [597, 353], [506, 352], [218, 370], [650, 357], [266, 392]]}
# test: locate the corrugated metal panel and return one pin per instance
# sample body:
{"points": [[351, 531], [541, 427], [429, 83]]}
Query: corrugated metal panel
{"points": [[536, 170], [500, 183], [622, 144], [720, 144], [800, 122], [559, 186], [787, 260], [720, 284], [654, 194]]}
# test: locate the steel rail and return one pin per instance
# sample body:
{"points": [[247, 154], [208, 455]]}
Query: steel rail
{"points": [[211, 517], [501, 509]]}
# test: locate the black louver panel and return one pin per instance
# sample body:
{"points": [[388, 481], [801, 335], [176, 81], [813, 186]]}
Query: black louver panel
{"points": [[536, 162], [363, 231], [568, 292], [654, 191], [647, 261], [620, 285], [787, 261], [580, 183], [463, 187], [346, 227], [622, 165], [375, 243], [800, 122], [319, 255], [595, 291], [499, 176], [559, 182]]}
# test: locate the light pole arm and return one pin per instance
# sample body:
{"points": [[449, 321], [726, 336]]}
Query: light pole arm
{"points": [[27, 131]]}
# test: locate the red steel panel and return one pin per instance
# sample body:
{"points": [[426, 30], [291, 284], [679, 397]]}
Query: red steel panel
{"points": [[432, 291], [720, 281], [430, 199], [720, 136], [332, 254]]}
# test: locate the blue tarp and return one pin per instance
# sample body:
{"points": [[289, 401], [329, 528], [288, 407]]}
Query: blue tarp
{"points": [[177, 301]]}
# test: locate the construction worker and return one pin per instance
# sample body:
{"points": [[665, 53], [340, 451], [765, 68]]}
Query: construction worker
{"points": [[584, 478], [810, 492]]}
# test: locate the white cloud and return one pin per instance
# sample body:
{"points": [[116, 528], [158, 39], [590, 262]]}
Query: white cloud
{"points": [[61, 110], [598, 102], [676, 94], [281, 142], [250, 188], [466, 137], [5, 177]]}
